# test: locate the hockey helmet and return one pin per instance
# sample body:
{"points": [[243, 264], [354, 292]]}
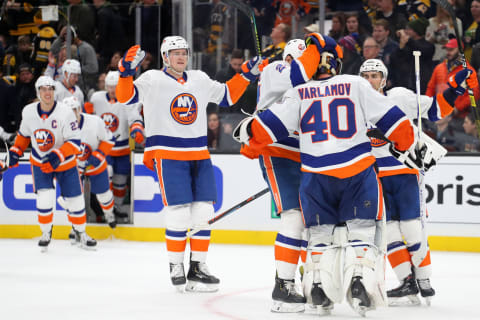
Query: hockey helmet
{"points": [[72, 102], [172, 43], [294, 48], [375, 65], [44, 81], [111, 79], [71, 66]]}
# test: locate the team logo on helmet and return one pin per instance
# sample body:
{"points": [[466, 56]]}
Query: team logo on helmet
{"points": [[111, 121], [184, 108], [45, 139], [86, 151]]}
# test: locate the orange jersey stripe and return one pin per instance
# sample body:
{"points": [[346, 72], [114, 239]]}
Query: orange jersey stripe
{"points": [[402, 136], [286, 254], [303, 255], [160, 182], [445, 107], [260, 137], [62, 167], [105, 147], [249, 152], [398, 257], [150, 155], [120, 152], [124, 90], [69, 148], [199, 244], [426, 261], [348, 171], [310, 59], [380, 199], [387, 173], [272, 181], [236, 87], [108, 206], [78, 219], [280, 153], [21, 142], [43, 219], [95, 171], [175, 245]]}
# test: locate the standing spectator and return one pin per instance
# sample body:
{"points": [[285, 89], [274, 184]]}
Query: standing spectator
{"points": [[234, 67], [54, 67], [264, 15], [17, 55], [150, 21], [110, 30], [42, 43], [445, 70], [353, 27], [10, 119], [288, 9], [476, 57], [445, 134], [440, 30], [338, 26], [218, 139], [24, 90], [113, 65], [352, 59], [280, 35], [217, 23], [396, 20], [88, 61], [381, 34], [82, 17], [471, 143], [472, 34], [414, 9], [413, 39]]}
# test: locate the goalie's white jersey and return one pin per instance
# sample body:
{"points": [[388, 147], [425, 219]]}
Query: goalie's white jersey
{"points": [[117, 118], [61, 92], [432, 108], [331, 116], [48, 133]]}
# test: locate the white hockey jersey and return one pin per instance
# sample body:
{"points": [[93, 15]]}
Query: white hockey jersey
{"points": [[50, 133], [175, 112], [331, 117], [92, 132], [406, 100], [61, 92], [117, 118]]}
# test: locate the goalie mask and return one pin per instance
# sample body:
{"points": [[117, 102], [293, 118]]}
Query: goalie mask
{"points": [[331, 60]]}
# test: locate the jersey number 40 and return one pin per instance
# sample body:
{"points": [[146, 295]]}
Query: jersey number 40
{"points": [[341, 117]]}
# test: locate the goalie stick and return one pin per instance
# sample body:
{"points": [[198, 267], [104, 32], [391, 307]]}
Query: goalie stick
{"points": [[197, 228], [247, 10], [447, 6]]}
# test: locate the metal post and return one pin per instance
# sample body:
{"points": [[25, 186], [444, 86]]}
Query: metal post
{"points": [[188, 26], [159, 37], [69, 34], [321, 16]]}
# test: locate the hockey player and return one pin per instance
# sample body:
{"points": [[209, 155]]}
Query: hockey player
{"points": [[52, 129], [339, 192], [408, 250], [280, 165], [96, 143], [122, 123], [67, 87], [174, 105]]}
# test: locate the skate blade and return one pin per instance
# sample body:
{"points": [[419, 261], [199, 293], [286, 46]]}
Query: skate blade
{"points": [[324, 311], [44, 249], [428, 301], [180, 288], [87, 248], [361, 310], [407, 301], [285, 307], [194, 286]]}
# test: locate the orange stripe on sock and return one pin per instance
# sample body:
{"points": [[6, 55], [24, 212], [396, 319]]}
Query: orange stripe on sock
{"points": [[44, 219], [286, 254], [398, 257], [119, 192], [108, 206], [199, 244], [78, 219], [273, 183], [176, 245], [426, 261]]}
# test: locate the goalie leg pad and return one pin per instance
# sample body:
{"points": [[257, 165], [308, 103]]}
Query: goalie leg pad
{"points": [[177, 221], [202, 211], [288, 243], [45, 201]]}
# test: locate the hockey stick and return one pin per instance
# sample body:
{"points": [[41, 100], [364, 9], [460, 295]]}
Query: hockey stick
{"points": [[222, 215], [447, 6], [247, 10]]}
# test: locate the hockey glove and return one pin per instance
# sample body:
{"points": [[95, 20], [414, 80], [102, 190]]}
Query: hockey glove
{"points": [[322, 44], [130, 62], [51, 161], [95, 159], [14, 153], [459, 81], [137, 133], [243, 132], [250, 68], [88, 108]]}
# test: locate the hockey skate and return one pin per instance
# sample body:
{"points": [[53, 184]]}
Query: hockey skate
{"points": [[86, 242], [177, 275], [320, 300], [360, 301], [110, 218], [285, 298], [426, 290], [405, 294], [200, 279], [45, 240], [74, 239]]}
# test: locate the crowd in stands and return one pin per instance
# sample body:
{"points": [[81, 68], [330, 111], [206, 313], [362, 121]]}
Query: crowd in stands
{"points": [[101, 31]]}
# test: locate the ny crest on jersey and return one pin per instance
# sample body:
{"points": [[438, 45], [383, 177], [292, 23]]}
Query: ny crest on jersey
{"points": [[184, 108], [86, 151], [45, 139], [111, 121]]}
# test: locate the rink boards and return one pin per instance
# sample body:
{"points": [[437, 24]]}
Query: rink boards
{"points": [[453, 202]]}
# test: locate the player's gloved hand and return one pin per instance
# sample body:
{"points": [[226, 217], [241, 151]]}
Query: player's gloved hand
{"points": [[14, 153], [51, 161], [264, 63], [88, 108], [137, 133], [322, 44], [243, 132], [459, 81], [130, 62], [250, 68], [95, 159], [412, 157]]}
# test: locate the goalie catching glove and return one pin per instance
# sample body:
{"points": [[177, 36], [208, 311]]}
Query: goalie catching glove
{"points": [[243, 132]]}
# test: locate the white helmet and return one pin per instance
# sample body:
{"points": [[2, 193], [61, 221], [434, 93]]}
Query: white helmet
{"points": [[71, 66], [375, 65], [72, 102], [111, 79], [294, 48], [172, 43], [44, 81]]}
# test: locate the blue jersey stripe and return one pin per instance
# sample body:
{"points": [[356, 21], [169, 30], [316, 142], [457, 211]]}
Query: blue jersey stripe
{"points": [[388, 162], [335, 158], [414, 247], [121, 143], [135, 96], [274, 124], [395, 245], [224, 102], [432, 112], [290, 142], [202, 233], [175, 142], [389, 119], [290, 241], [296, 76]]}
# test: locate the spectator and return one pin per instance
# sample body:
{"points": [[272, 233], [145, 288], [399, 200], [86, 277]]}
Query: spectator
{"points": [[113, 65], [100, 86], [352, 26], [445, 134], [9, 120], [471, 143], [338, 26], [264, 16], [82, 17], [148, 63], [371, 49], [150, 21], [88, 61], [472, 34], [217, 23], [444, 70], [414, 9], [17, 55], [54, 67], [476, 57], [24, 90], [280, 35], [235, 66], [381, 34], [286, 10], [23, 17], [352, 59], [439, 31], [396, 20], [41, 46], [413, 39], [218, 139]]}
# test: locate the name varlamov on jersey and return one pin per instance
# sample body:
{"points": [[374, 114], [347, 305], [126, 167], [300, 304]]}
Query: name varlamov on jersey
{"points": [[336, 89]]}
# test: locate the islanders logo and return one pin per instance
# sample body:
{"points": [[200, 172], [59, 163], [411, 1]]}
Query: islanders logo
{"points": [[86, 151], [184, 108], [45, 139], [111, 121], [376, 142]]}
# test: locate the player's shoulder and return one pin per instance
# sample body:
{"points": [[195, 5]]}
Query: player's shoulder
{"points": [[29, 110], [197, 74], [99, 95], [91, 117], [276, 67], [399, 92]]}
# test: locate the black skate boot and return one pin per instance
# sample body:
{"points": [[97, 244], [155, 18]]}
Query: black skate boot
{"points": [[285, 298], [177, 275], [320, 300], [360, 300], [45, 240], [200, 279], [74, 239], [86, 242], [426, 290], [407, 289]]}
